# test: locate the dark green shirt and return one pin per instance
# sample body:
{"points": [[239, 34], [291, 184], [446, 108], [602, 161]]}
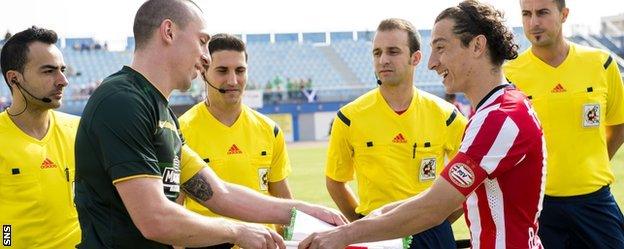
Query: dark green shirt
{"points": [[127, 129]]}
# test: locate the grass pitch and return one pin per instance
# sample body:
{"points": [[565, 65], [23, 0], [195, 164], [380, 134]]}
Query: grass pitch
{"points": [[307, 180]]}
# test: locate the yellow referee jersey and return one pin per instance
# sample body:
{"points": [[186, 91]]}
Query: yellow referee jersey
{"points": [[36, 185], [250, 153], [574, 102], [392, 156]]}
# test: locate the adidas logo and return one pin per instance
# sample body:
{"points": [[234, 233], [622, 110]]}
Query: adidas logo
{"points": [[399, 139], [234, 150], [47, 164], [558, 89]]}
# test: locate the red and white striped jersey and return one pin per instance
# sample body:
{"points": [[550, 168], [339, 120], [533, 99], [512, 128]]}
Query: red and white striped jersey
{"points": [[501, 169]]}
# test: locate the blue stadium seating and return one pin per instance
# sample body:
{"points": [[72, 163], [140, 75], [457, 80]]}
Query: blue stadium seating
{"points": [[287, 57]]}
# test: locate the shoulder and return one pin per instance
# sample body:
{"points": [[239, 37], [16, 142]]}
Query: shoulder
{"points": [[4, 122], [190, 116], [433, 102], [361, 104], [511, 108], [592, 55], [522, 61], [66, 120], [435, 106], [261, 121]]}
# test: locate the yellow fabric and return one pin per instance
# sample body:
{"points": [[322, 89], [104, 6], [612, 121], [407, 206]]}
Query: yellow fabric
{"points": [[191, 164], [577, 160], [251, 134], [387, 167], [134, 177], [38, 201]]}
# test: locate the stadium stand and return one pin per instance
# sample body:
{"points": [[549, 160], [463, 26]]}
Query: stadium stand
{"points": [[336, 65]]}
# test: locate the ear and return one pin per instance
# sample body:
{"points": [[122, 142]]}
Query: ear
{"points": [[416, 56], [564, 14], [478, 45], [166, 31], [13, 76]]}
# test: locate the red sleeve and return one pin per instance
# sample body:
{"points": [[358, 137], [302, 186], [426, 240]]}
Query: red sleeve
{"points": [[464, 174]]}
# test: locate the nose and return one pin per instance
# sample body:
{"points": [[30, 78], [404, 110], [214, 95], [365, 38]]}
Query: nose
{"points": [[62, 80], [205, 60], [534, 21], [231, 79], [433, 62], [383, 59]]}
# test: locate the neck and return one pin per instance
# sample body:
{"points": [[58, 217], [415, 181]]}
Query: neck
{"points": [[225, 114], [156, 73], [481, 84], [34, 121], [398, 96], [554, 54]]}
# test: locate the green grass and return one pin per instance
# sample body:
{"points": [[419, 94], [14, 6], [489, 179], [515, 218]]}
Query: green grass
{"points": [[307, 180]]}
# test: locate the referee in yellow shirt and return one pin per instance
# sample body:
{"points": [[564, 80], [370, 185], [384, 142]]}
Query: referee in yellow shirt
{"points": [[578, 96], [37, 146], [241, 145], [393, 139]]}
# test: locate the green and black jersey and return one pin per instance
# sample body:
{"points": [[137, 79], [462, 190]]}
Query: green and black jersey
{"points": [[127, 130]]}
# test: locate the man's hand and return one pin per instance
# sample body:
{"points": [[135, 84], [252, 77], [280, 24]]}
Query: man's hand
{"points": [[331, 239], [252, 236], [328, 215]]}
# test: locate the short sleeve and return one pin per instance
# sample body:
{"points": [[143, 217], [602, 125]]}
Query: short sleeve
{"points": [[492, 145], [122, 130], [340, 152], [464, 174], [615, 95], [191, 164], [456, 123], [280, 164]]}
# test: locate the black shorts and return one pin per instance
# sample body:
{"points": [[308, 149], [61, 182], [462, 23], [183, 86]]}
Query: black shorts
{"points": [[586, 221]]}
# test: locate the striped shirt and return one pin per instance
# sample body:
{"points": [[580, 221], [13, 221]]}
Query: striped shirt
{"points": [[501, 169]]}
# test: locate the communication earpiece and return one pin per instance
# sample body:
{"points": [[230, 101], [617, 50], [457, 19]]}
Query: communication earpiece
{"points": [[43, 99]]}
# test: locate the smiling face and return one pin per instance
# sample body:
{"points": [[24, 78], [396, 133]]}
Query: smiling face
{"points": [[392, 60], [542, 21], [449, 58], [227, 71], [191, 50]]}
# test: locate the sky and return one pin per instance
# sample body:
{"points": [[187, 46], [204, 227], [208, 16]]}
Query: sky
{"points": [[111, 20]]}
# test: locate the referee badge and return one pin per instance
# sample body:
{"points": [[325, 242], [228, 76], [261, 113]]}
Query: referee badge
{"points": [[263, 178], [428, 169], [591, 115]]}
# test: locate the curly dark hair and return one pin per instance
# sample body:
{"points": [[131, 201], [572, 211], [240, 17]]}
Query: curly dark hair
{"points": [[473, 18]]}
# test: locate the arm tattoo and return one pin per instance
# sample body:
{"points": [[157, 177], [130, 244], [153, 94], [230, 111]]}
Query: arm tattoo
{"points": [[198, 188]]}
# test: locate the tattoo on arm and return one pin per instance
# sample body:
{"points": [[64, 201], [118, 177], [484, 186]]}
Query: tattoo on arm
{"points": [[198, 188]]}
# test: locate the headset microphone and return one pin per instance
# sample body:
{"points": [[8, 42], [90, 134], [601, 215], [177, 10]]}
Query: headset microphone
{"points": [[378, 80], [44, 99], [218, 89]]}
